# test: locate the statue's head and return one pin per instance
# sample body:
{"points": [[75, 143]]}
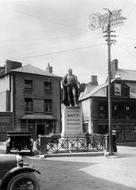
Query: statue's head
{"points": [[70, 71]]}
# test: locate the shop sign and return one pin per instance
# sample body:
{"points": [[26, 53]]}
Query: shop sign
{"points": [[117, 89]]}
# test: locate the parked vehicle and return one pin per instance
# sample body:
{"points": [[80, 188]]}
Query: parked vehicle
{"points": [[19, 141], [16, 175]]}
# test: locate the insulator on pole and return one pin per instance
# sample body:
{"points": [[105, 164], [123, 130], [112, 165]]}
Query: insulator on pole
{"points": [[105, 36], [112, 35], [105, 31]]}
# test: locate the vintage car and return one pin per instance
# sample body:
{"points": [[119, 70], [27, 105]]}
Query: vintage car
{"points": [[16, 175], [19, 141]]}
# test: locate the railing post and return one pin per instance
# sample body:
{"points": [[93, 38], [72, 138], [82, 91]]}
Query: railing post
{"points": [[43, 144]]}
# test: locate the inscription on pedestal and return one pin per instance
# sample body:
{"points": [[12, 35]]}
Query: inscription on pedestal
{"points": [[72, 122]]}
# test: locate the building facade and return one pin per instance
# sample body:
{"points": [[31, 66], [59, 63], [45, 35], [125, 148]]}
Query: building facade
{"points": [[94, 103], [32, 96]]}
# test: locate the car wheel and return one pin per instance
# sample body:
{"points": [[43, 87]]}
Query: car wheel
{"points": [[31, 152], [24, 181]]}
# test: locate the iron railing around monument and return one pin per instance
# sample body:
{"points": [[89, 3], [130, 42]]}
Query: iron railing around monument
{"points": [[72, 144]]}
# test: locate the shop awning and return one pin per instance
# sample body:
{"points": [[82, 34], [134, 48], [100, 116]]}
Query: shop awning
{"points": [[36, 116]]}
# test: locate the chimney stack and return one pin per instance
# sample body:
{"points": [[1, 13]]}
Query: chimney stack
{"points": [[114, 67], [94, 80], [9, 65]]}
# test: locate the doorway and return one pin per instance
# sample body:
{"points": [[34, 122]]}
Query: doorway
{"points": [[40, 129]]}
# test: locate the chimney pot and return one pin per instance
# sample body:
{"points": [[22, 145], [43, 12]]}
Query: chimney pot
{"points": [[49, 68]]}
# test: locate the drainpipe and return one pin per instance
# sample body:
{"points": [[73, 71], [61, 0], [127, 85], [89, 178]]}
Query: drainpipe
{"points": [[14, 101]]}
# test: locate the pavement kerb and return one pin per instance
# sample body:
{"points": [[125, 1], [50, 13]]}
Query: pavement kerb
{"points": [[79, 154]]}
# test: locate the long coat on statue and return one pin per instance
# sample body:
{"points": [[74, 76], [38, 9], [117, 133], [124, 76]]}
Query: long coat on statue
{"points": [[68, 98]]}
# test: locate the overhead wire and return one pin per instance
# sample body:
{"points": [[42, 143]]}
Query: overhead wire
{"points": [[73, 27], [48, 20], [28, 48], [127, 37], [127, 42], [28, 40], [45, 19], [59, 52], [38, 40], [126, 49]]}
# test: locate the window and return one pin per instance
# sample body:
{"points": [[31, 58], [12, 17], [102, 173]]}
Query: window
{"points": [[28, 104], [38, 106], [47, 85], [28, 84], [49, 127], [48, 106], [117, 110], [101, 108], [127, 112], [103, 111], [102, 129], [127, 108], [130, 110]]}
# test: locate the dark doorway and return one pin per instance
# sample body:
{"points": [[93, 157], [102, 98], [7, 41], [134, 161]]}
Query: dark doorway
{"points": [[40, 129]]}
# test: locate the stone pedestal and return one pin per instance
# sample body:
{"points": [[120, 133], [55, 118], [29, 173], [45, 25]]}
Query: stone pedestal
{"points": [[72, 122]]}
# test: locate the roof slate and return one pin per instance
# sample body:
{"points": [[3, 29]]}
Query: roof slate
{"points": [[129, 75], [97, 91], [100, 90], [33, 70]]}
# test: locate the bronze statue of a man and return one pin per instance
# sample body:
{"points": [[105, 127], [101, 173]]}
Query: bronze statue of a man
{"points": [[70, 89]]}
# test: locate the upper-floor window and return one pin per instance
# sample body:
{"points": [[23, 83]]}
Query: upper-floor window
{"points": [[28, 104], [47, 85], [101, 108], [117, 110], [48, 105], [103, 111], [28, 84], [130, 110], [127, 108]]}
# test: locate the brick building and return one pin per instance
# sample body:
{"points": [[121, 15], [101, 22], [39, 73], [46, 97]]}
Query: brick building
{"points": [[94, 104], [31, 97]]}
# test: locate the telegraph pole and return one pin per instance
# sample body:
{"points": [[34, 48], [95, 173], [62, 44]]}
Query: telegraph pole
{"points": [[101, 21], [109, 42]]}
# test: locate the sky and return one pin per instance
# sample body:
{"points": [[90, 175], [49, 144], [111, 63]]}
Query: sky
{"points": [[39, 32]]}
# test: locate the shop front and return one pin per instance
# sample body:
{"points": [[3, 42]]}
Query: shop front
{"points": [[38, 124]]}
